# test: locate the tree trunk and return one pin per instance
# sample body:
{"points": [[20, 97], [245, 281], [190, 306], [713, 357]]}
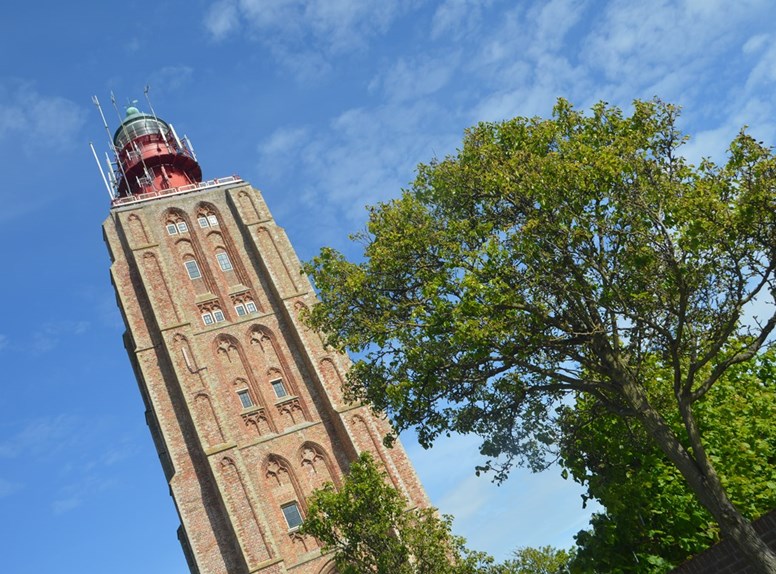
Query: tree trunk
{"points": [[706, 485]]}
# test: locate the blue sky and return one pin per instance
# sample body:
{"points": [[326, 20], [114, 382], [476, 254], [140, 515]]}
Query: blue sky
{"points": [[325, 105]]}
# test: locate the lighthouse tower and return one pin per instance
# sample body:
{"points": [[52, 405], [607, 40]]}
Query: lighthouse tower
{"points": [[243, 402]]}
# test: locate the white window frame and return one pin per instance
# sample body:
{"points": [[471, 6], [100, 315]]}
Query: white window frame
{"points": [[182, 227], [189, 270], [223, 261], [298, 511], [240, 308], [218, 315], [247, 395], [279, 381], [212, 220], [250, 306], [202, 220], [207, 318], [172, 229]]}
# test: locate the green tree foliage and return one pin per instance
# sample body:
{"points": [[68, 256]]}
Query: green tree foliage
{"points": [[652, 521], [562, 256], [370, 528], [543, 560]]}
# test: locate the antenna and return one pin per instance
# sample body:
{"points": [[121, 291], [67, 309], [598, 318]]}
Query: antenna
{"points": [[177, 139], [107, 131], [153, 113], [115, 107], [102, 173], [111, 174], [191, 147]]}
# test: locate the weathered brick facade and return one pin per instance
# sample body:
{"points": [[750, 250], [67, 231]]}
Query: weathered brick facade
{"points": [[725, 558], [243, 401]]}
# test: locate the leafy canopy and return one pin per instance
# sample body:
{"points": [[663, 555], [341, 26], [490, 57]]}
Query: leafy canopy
{"points": [[370, 528], [563, 257], [547, 257]]}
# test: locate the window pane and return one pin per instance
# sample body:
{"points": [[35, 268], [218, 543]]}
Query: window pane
{"points": [[193, 269], [212, 220], [280, 389], [207, 318], [292, 514], [245, 398], [251, 306], [202, 221], [240, 310], [171, 229], [219, 316], [223, 261], [182, 227]]}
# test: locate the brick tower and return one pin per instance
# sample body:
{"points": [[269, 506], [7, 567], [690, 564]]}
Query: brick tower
{"points": [[242, 400]]}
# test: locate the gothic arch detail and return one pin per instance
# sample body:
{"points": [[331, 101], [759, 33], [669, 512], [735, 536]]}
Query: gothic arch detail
{"points": [[316, 464], [372, 445], [332, 380], [252, 538], [247, 207], [277, 471], [268, 246], [159, 290], [213, 433], [137, 230]]}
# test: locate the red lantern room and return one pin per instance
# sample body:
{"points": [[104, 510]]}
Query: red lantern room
{"points": [[151, 157]]}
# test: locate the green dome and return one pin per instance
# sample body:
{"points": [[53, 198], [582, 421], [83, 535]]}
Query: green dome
{"points": [[132, 110]]}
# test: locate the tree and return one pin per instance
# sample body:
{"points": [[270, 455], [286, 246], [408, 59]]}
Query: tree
{"points": [[370, 528], [651, 520], [556, 257], [543, 560]]}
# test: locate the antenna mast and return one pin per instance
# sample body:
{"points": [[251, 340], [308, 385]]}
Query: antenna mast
{"points": [[107, 131], [102, 173], [153, 113]]}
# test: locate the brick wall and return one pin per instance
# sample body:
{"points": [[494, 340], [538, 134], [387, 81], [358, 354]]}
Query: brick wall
{"points": [[724, 558], [233, 466]]}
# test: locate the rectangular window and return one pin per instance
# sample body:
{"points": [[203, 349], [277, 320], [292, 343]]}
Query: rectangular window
{"points": [[245, 398], [292, 514], [212, 220], [223, 261], [218, 315], [182, 227], [250, 306], [280, 389], [207, 318], [193, 269], [240, 310], [202, 221], [171, 229]]}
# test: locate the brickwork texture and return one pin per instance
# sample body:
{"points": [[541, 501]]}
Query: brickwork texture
{"points": [[242, 400]]}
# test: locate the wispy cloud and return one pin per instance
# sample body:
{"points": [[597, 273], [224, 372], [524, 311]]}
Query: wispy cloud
{"points": [[171, 78], [8, 488], [73, 495], [37, 437], [50, 334], [304, 35], [38, 121]]}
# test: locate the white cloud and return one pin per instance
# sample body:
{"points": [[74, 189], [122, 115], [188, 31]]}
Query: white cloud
{"points": [[454, 19], [38, 435], [305, 35], [7, 488], [415, 78], [50, 334], [222, 19], [170, 78], [38, 121]]}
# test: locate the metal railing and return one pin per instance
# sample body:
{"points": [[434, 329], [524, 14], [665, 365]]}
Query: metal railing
{"points": [[176, 190]]}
